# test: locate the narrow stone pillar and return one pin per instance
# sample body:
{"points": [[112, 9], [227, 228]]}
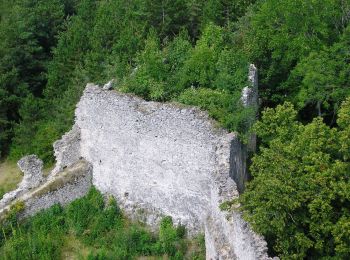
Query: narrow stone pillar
{"points": [[31, 166], [250, 99]]}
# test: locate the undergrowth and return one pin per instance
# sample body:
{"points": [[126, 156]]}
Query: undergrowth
{"points": [[10, 176], [99, 226]]}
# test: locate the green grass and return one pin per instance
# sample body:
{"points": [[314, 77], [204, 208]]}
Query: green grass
{"points": [[10, 176], [73, 248], [90, 228]]}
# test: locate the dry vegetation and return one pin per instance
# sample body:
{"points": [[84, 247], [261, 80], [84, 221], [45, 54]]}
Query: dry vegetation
{"points": [[10, 176]]}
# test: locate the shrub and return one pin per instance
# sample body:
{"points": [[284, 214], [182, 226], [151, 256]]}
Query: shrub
{"points": [[100, 227], [299, 196]]}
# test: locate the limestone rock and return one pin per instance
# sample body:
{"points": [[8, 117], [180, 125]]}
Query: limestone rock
{"points": [[109, 85], [166, 159], [249, 94], [67, 150], [31, 166]]}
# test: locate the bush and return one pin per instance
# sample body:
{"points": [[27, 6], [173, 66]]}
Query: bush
{"points": [[81, 212], [40, 237], [299, 196], [221, 105], [100, 227]]}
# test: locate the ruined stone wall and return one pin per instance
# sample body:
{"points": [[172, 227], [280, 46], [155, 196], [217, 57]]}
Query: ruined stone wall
{"points": [[38, 192], [157, 160], [239, 151], [165, 159], [72, 183], [238, 160], [31, 167], [150, 156]]}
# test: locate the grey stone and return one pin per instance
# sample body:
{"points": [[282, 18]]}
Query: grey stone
{"points": [[157, 160], [73, 183], [167, 159], [109, 85], [31, 166], [250, 98], [70, 184], [250, 93], [238, 160], [66, 150]]}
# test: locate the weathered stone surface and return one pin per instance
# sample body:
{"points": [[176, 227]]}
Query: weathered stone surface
{"points": [[149, 155], [66, 150], [238, 160], [165, 159], [70, 184], [250, 98], [239, 151], [156, 159], [31, 166], [108, 85], [250, 93]]}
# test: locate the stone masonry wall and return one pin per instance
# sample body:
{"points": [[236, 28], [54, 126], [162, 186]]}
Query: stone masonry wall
{"points": [[68, 185], [165, 159], [157, 160]]}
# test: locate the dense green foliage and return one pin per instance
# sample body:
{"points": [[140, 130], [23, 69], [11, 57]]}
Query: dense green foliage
{"points": [[299, 198], [161, 49], [156, 49], [100, 227], [27, 32], [324, 79], [197, 52], [166, 50], [281, 33]]}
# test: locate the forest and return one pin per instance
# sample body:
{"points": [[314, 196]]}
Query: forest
{"points": [[197, 52]]}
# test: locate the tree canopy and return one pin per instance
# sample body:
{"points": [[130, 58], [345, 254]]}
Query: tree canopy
{"points": [[300, 193], [161, 49], [198, 52]]}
